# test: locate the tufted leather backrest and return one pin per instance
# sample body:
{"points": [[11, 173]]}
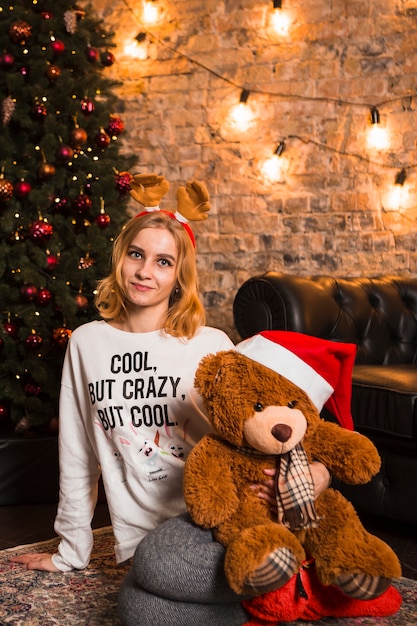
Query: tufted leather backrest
{"points": [[378, 314]]}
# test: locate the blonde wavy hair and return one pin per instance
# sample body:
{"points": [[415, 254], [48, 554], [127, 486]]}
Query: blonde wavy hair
{"points": [[186, 313]]}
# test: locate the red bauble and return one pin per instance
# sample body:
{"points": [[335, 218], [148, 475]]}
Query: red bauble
{"points": [[39, 111], [82, 202], [61, 336], [40, 230], [81, 301], [47, 15], [4, 412], [51, 262], [22, 189], [20, 32], [93, 55], [103, 220], [53, 72], [87, 106], [107, 58], [43, 297], [123, 182], [29, 292], [102, 139], [78, 137], [115, 126], [64, 154], [31, 389], [34, 341], [46, 170], [10, 328], [6, 60], [6, 190], [57, 46]]}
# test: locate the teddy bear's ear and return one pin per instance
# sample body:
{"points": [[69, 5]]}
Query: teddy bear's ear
{"points": [[207, 376]]}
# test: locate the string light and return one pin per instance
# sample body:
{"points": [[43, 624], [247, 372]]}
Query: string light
{"points": [[377, 137], [242, 115], [138, 48], [401, 177], [274, 167], [150, 12], [280, 20]]}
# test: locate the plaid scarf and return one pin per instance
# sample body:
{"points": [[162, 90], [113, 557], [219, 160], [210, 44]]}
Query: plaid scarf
{"points": [[294, 490]]}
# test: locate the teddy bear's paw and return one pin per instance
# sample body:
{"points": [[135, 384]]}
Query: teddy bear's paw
{"points": [[362, 586], [275, 571]]}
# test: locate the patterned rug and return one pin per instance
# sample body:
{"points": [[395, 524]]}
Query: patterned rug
{"points": [[88, 598]]}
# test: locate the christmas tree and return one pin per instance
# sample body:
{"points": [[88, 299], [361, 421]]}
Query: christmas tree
{"points": [[63, 195]]}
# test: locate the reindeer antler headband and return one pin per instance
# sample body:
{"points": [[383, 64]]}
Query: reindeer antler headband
{"points": [[192, 200]]}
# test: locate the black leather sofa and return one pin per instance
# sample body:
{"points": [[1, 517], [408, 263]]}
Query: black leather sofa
{"points": [[379, 315]]}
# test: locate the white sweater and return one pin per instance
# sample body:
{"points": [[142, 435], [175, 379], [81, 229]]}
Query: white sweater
{"points": [[129, 410]]}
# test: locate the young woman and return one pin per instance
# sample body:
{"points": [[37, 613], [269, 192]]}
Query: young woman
{"points": [[128, 411]]}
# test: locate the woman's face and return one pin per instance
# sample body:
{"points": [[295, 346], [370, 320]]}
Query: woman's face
{"points": [[149, 269]]}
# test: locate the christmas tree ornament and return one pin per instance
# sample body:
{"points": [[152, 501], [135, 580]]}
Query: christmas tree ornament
{"points": [[10, 328], [115, 126], [6, 189], [4, 411], [40, 230], [43, 297], [22, 189], [102, 139], [39, 111], [47, 15], [7, 109], [123, 182], [85, 262], [53, 72], [64, 154], [87, 106], [92, 54], [32, 389], [57, 47], [103, 220], [61, 336], [70, 20], [6, 60], [107, 58], [78, 137], [81, 301], [82, 202], [51, 261], [61, 204], [46, 170], [33, 341], [20, 32], [29, 292]]}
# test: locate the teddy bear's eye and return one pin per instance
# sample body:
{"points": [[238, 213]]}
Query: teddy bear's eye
{"points": [[258, 407], [291, 404]]}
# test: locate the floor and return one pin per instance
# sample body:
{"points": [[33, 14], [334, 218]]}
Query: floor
{"points": [[21, 525]]}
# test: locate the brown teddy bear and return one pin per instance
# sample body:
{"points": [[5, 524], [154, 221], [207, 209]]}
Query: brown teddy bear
{"points": [[263, 401]]}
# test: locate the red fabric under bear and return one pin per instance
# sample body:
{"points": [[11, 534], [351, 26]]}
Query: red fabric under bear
{"points": [[304, 597]]}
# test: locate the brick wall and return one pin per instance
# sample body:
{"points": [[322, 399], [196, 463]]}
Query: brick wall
{"points": [[330, 212]]}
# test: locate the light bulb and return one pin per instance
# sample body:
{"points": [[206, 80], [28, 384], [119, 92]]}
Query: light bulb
{"points": [[377, 137], [242, 116], [150, 13], [280, 20], [136, 50]]}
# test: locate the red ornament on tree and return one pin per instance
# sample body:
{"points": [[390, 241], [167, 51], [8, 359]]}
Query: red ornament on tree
{"points": [[103, 220], [81, 301], [123, 182], [22, 189], [4, 412], [34, 341], [40, 230], [10, 328], [64, 154], [6, 189], [6, 61], [29, 292], [115, 126], [51, 261], [58, 47], [102, 139], [87, 106], [82, 202], [93, 55], [43, 297], [47, 15], [107, 58]]}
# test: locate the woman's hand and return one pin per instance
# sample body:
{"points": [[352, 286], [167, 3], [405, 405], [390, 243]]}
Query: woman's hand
{"points": [[319, 472], [40, 560]]}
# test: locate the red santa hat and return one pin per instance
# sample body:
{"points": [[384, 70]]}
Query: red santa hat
{"points": [[321, 368]]}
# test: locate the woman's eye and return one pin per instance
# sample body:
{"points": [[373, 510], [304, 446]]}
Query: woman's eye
{"points": [[292, 404], [165, 262], [134, 254], [258, 407]]}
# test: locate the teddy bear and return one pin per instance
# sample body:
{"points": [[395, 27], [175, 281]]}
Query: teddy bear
{"points": [[264, 401]]}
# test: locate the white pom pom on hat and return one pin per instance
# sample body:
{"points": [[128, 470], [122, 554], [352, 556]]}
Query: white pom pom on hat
{"points": [[321, 368]]}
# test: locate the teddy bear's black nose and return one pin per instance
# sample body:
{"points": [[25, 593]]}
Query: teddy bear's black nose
{"points": [[282, 432]]}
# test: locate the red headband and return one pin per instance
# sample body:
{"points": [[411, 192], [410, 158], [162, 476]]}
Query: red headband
{"points": [[174, 217]]}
